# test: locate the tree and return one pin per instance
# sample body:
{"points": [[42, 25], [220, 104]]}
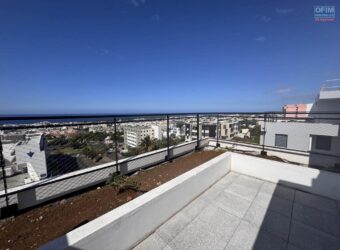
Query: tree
{"points": [[256, 133], [92, 153], [120, 136], [147, 144], [133, 151]]}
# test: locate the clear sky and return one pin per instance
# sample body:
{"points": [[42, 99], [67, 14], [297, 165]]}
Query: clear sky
{"points": [[77, 56]]}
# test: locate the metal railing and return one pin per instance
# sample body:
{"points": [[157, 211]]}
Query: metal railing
{"points": [[82, 150]]}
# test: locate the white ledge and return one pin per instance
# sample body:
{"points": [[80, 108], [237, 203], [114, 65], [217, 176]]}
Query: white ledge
{"points": [[128, 224]]}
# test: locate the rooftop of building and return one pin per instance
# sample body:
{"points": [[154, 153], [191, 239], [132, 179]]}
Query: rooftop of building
{"points": [[33, 139], [330, 90], [137, 127]]}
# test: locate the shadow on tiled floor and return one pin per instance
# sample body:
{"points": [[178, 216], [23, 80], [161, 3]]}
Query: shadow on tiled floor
{"points": [[240, 212]]}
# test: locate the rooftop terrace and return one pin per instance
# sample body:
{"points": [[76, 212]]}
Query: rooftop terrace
{"points": [[241, 212], [234, 201]]}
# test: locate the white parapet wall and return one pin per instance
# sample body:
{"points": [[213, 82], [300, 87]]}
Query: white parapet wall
{"points": [[289, 155], [307, 179], [125, 226]]}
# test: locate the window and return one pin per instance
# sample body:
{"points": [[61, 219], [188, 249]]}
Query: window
{"points": [[281, 141], [323, 142]]}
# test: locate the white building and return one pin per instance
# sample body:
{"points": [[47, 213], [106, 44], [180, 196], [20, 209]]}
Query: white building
{"points": [[319, 138], [158, 131], [191, 131], [108, 140], [133, 135], [174, 131], [8, 152], [228, 129], [245, 132], [33, 153], [206, 130]]}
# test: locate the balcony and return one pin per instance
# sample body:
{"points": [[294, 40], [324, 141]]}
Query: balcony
{"points": [[254, 196]]}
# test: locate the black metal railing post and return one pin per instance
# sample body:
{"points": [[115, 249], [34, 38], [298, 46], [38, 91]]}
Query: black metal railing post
{"points": [[217, 131], [116, 144], [263, 132], [198, 131], [2, 164], [203, 131], [168, 137]]}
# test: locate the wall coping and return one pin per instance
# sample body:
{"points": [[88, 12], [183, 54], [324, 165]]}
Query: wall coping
{"points": [[118, 214]]}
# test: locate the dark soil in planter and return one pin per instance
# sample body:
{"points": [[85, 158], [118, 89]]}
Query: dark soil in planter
{"points": [[40, 225]]}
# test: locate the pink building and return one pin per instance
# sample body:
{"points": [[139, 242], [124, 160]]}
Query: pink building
{"points": [[293, 110]]}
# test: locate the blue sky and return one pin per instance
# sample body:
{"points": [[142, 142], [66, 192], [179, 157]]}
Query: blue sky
{"points": [[77, 56]]}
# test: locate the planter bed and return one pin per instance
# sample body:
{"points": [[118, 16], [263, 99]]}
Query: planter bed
{"points": [[40, 225]]}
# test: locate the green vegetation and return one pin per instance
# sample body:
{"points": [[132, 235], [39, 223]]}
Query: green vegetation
{"points": [[93, 154], [81, 138], [69, 150], [255, 132], [60, 141], [90, 144], [148, 144], [123, 183]]}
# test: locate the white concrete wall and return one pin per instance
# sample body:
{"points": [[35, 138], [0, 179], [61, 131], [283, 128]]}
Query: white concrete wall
{"points": [[125, 226], [314, 158], [157, 131], [292, 156], [298, 133], [307, 179], [330, 94], [301, 158], [335, 146]]}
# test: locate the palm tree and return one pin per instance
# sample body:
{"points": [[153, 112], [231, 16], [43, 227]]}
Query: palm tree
{"points": [[147, 144]]}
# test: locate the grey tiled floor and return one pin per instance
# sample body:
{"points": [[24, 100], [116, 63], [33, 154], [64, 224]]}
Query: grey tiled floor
{"points": [[241, 212]]}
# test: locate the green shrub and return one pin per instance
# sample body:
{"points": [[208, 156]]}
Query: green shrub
{"points": [[123, 183]]}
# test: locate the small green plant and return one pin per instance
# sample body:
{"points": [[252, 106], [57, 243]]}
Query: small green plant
{"points": [[123, 183], [222, 150]]}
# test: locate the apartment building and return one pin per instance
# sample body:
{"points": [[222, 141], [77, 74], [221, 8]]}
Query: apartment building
{"points": [[318, 137], [133, 135], [159, 131], [208, 130], [191, 131], [227, 130]]}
